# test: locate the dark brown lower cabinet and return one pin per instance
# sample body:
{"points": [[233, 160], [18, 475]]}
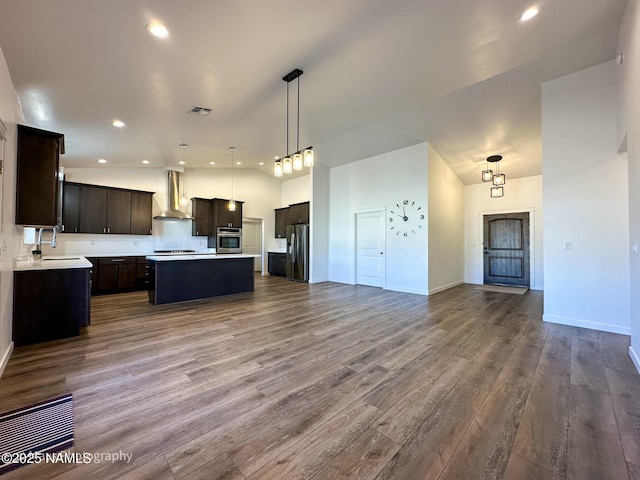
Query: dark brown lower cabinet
{"points": [[116, 273], [277, 264], [50, 304]]}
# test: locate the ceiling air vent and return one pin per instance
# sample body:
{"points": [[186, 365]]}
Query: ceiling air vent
{"points": [[199, 111]]}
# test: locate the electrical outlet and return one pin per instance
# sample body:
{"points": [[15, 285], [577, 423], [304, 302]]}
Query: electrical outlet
{"points": [[568, 245], [634, 248]]}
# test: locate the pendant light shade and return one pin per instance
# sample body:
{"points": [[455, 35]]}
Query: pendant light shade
{"points": [[487, 175], [297, 161], [499, 179], [308, 158], [278, 170], [287, 166], [497, 192]]}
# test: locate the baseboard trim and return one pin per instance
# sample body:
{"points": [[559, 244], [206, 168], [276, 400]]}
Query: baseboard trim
{"points": [[445, 287], [575, 322], [634, 358], [405, 290], [5, 358]]}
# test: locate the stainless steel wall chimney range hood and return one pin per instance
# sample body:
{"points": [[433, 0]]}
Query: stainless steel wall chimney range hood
{"points": [[173, 211]]}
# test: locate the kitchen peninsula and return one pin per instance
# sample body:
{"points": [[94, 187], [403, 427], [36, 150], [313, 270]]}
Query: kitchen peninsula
{"points": [[178, 278]]}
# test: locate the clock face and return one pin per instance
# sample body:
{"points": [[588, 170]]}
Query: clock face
{"points": [[406, 218]]}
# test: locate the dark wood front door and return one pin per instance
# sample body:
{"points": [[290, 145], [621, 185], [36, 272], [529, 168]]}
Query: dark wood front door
{"points": [[506, 249]]}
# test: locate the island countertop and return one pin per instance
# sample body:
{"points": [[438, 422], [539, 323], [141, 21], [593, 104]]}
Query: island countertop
{"points": [[53, 262], [199, 256]]}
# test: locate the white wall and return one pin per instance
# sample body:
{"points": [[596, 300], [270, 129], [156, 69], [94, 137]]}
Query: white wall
{"points": [[10, 235], [379, 181], [319, 212], [446, 225], [585, 201], [629, 127], [296, 190], [521, 195]]}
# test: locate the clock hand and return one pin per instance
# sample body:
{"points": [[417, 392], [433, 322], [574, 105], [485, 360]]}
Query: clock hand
{"points": [[398, 214], [405, 218]]}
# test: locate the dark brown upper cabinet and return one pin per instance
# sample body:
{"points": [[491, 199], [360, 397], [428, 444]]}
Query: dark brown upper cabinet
{"points": [[106, 210], [201, 212], [222, 217], [299, 213], [38, 201], [281, 222]]}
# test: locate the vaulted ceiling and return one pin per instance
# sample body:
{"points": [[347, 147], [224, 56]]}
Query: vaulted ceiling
{"points": [[378, 75]]}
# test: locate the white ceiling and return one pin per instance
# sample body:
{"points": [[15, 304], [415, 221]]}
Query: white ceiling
{"points": [[378, 75]]}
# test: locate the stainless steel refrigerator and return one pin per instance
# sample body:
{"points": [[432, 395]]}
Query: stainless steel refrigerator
{"points": [[298, 252]]}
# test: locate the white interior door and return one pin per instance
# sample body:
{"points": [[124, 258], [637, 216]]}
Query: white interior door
{"points": [[252, 241], [370, 264]]}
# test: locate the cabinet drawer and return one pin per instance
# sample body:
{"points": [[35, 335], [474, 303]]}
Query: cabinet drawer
{"points": [[116, 260]]}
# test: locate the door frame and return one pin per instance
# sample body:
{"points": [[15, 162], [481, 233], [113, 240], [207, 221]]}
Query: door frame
{"points": [[532, 239], [383, 211], [263, 260]]}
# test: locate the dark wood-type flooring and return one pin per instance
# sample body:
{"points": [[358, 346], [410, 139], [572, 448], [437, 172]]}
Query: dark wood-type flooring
{"points": [[331, 381]]}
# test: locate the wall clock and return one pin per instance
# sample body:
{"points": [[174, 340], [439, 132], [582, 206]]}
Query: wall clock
{"points": [[406, 218]]}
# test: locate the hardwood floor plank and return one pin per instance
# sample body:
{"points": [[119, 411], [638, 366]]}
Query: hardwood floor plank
{"points": [[519, 468], [484, 449], [425, 454], [310, 454], [625, 396], [587, 368], [594, 444], [361, 459], [542, 435]]}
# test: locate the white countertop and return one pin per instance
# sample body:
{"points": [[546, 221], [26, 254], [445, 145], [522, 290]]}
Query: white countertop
{"points": [[53, 262], [199, 256]]}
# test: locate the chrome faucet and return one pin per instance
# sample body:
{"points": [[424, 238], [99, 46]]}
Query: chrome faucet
{"points": [[53, 237]]}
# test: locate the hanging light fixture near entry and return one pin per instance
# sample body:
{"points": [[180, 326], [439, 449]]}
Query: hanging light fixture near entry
{"points": [[498, 179], [232, 202], [301, 157]]}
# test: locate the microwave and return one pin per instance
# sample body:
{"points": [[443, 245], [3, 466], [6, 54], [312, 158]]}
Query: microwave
{"points": [[228, 240]]}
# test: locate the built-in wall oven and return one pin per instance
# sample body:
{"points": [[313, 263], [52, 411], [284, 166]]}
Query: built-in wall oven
{"points": [[228, 240]]}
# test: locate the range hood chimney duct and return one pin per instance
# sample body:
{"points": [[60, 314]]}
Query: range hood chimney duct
{"points": [[173, 208]]}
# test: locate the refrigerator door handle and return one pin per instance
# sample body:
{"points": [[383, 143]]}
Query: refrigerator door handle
{"points": [[293, 248]]}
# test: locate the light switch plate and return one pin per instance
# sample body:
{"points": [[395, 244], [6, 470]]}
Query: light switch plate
{"points": [[568, 245], [634, 248]]}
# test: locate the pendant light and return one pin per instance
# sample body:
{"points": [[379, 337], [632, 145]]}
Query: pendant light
{"points": [[300, 158], [232, 202], [498, 179], [183, 196]]}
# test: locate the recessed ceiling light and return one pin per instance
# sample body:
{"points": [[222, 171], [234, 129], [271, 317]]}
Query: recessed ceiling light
{"points": [[238, 163], [276, 158], [212, 163], [146, 162], [182, 162], [529, 13], [157, 30], [102, 160], [118, 123], [261, 163]]}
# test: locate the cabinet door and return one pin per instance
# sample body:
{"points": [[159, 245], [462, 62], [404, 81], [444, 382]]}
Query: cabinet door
{"points": [[94, 274], [37, 185], [281, 222], [127, 273], [220, 212], [299, 213], [201, 211], [70, 208], [107, 277], [141, 213], [93, 209], [235, 218], [118, 211]]}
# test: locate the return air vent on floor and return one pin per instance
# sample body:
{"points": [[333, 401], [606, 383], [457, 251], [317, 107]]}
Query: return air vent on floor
{"points": [[199, 111]]}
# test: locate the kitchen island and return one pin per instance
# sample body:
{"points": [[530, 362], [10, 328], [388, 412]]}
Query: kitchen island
{"points": [[178, 278], [51, 298]]}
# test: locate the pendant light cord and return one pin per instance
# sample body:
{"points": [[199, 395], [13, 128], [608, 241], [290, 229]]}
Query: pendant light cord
{"points": [[298, 120], [287, 149]]}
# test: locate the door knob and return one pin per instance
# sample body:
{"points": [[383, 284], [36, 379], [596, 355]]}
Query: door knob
{"points": [[381, 253]]}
